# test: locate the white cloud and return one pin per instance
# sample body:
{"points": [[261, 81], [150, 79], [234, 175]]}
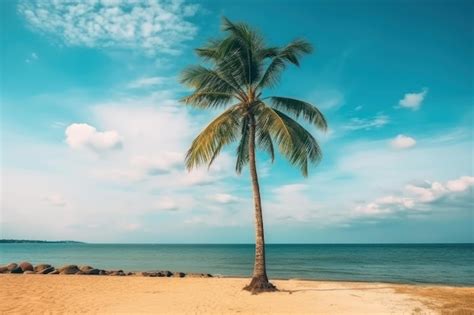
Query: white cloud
{"points": [[377, 121], [147, 82], [80, 136], [223, 198], [426, 194], [358, 108], [413, 101], [460, 184], [415, 198], [403, 142], [154, 26]]}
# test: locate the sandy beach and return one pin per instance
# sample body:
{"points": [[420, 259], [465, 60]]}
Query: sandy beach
{"points": [[28, 294]]}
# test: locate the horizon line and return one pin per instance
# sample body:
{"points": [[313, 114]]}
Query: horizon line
{"points": [[183, 243]]}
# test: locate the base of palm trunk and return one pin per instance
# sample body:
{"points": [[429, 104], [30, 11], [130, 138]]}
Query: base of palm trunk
{"points": [[260, 284]]}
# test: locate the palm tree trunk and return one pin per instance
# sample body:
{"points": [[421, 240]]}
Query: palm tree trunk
{"points": [[259, 281]]}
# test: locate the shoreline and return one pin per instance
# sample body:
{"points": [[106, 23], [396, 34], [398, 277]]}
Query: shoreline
{"points": [[14, 268], [431, 284], [105, 294]]}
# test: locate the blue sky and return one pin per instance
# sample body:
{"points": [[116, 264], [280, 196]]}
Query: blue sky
{"points": [[93, 135]]}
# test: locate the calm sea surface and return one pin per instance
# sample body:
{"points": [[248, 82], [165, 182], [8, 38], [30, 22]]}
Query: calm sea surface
{"points": [[433, 263]]}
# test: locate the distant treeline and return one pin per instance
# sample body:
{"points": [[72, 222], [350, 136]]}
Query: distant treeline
{"points": [[36, 241]]}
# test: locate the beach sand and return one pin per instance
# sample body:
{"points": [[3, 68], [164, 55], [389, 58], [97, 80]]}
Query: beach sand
{"points": [[66, 294]]}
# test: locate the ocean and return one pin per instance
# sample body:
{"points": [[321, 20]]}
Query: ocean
{"points": [[451, 264]]}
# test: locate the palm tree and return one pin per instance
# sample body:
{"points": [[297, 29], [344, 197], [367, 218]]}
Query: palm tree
{"points": [[237, 69]]}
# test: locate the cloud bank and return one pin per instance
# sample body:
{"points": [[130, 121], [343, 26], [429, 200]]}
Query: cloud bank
{"points": [[156, 26], [419, 198]]}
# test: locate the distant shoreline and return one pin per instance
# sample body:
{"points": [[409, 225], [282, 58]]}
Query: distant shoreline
{"points": [[4, 241], [9, 241]]}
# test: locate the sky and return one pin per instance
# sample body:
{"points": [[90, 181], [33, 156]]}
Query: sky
{"points": [[93, 135]]}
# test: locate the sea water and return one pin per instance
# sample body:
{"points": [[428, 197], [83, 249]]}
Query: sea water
{"points": [[400, 263]]}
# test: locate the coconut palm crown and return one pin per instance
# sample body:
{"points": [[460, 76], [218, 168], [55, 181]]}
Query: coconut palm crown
{"points": [[237, 69]]}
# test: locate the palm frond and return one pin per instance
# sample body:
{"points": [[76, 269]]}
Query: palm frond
{"points": [[288, 54], [299, 108], [295, 50], [295, 142], [220, 132], [251, 48], [270, 122], [240, 66], [272, 74], [243, 147], [265, 143], [203, 79], [205, 99], [306, 148], [242, 31]]}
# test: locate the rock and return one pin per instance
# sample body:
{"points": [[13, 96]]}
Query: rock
{"points": [[69, 270], [47, 270], [85, 268], [102, 272], [179, 274], [129, 273], [117, 273], [92, 271], [4, 269], [199, 275], [155, 274], [26, 266], [88, 270], [54, 272], [12, 266], [165, 273], [28, 272], [41, 267], [17, 270]]}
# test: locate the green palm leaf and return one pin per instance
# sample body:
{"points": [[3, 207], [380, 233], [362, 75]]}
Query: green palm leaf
{"points": [[295, 142], [243, 147], [203, 79], [211, 99], [289, 54], [299, 108], [240, 67], [220, 132], [265, 143]]}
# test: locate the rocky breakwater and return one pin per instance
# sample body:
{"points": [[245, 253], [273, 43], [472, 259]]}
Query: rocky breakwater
{"points": [[46, 269]]}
